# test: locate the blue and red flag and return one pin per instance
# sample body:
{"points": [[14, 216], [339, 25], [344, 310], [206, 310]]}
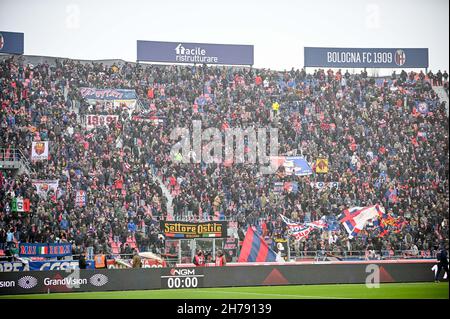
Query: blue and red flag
{"points": [[388, 223], [80, 198], [391, 195], [255, 249], [354, 219]]}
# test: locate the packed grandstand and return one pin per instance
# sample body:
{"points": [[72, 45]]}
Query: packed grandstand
{"points": [[384, 141]]}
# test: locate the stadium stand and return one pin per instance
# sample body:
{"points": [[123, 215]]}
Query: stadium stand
{"points": [[382, 143]]}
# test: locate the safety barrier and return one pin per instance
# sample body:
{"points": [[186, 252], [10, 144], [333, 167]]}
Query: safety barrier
{"points": [[205, 277]]}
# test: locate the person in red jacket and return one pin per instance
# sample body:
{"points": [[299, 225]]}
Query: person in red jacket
{"points": [[199, 259], [220, 259]]}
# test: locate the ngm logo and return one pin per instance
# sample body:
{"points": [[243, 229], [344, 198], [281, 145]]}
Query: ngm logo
{"points": [[193, 55], [182, 272]]}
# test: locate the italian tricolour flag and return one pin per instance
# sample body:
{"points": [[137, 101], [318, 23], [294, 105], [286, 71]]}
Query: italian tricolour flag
{"points": [[20, 205], [43, 250]]}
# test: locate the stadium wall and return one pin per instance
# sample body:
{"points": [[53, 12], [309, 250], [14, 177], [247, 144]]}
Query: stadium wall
{"points": [[33, 282]]}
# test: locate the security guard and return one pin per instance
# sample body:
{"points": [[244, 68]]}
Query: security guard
{"points": [[442, 262], [100, 261]]}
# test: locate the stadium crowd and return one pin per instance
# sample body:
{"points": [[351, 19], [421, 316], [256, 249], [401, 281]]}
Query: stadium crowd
{"points": [[386, 142]]}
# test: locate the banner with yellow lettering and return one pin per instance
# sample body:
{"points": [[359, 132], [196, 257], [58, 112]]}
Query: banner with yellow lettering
{"points": [[213, 229]]}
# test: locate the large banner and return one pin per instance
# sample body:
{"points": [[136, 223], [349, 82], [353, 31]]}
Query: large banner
{"points": [[93, 120], [39, 151], [213, 229], [43, 187], [45, 250], [293, 165], [10, 266], [366, 58], [199, 53], [59, 265], [107, 94], [11, 42]]}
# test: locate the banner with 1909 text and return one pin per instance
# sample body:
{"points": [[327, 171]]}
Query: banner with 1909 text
{"points": [[94, 121], [366, 57]]}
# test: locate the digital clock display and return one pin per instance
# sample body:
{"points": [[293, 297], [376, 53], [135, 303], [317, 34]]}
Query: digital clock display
{"points": [[177, 278]]}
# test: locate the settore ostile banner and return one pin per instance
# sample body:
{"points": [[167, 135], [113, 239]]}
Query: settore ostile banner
{"points": [[180, 229], [11, 42], [45, 250], [366, 58], [198, 53]]}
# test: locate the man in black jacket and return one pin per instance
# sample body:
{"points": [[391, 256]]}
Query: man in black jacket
{"points": [[445, 76], [82, 261], [442, 262], [439, 78]]}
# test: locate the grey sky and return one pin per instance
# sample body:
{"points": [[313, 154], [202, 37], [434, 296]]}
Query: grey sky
{"points": [[279, 30]]}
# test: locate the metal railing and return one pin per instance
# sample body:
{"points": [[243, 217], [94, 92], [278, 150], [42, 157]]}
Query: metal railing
{"points": [[15, 155], [318, 255], [362, 254], [10, 155]]}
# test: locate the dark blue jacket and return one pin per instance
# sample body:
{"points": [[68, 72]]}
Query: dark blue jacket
{"points": [[442, 256]]}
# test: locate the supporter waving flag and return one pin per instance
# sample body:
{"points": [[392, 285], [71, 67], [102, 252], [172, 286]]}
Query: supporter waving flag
{"points": [[355, 219], [320, 224], [255, 249], [387, 224], [299, 230]]}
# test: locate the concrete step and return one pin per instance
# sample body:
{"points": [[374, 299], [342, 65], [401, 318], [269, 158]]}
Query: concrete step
{"points": [[440, 91]]}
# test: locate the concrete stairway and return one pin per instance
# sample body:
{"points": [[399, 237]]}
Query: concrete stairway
{"points": [[14, 160], [442, 96]]}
